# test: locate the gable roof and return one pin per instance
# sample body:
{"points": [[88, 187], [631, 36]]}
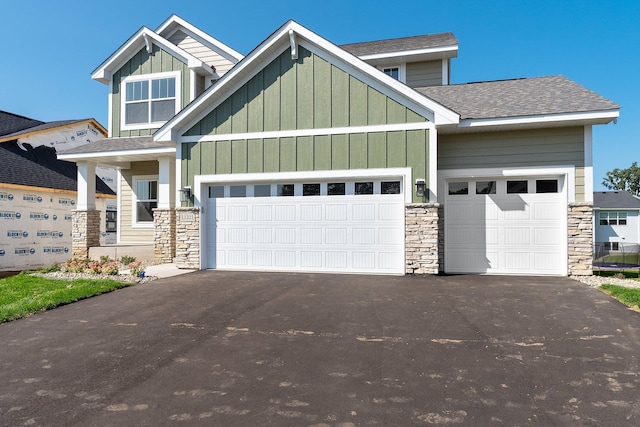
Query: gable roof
{"points": [[615, 200], [46, 126], [523, 98], [442, 42], [290, 35], [145, 37], [11, 123], [39, 167], [175, 23]]}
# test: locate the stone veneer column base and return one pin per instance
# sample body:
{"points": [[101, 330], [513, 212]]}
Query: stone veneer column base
{"points": [[580, 239], [188, 238], [164, 235], [85, 232], [424, 238]]}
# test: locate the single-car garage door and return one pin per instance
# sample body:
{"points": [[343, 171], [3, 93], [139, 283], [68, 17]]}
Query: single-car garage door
{"points": [[338, 226], [506, 226]]}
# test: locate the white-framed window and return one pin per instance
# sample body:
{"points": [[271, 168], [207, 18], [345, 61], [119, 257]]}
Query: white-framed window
{"points": [[149, 100], [398, 72], [612, 246], [613, 218], [145, 200]]}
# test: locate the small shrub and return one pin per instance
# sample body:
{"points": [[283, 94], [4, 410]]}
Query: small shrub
{"points": [[619, 276], [110, 268], [135, 268], [126, 259], [104, 259], [94, 267], [75, 265], [51, 269]]}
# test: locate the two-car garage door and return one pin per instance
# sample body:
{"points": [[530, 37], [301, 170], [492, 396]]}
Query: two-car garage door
{"points": [[339, 226], [506, 226]]}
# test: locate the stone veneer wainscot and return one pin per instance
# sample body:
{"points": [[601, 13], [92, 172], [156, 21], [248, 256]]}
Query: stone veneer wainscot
{"points": [[85, 232], [164, 235], [580, 243], [424, 238], [188, 238]]}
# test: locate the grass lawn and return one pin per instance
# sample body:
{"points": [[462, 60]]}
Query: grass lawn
{"points": [[23, 295], [628, 296], [628, 274]]}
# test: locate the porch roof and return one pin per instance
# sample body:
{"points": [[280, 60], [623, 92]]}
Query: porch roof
{"points": [[120, 152]]}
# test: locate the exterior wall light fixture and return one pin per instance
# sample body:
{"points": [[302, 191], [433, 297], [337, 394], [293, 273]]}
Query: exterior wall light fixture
{"points": [[420, 187], [185, 194]]}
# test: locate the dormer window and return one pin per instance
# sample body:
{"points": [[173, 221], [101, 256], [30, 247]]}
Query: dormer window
{"points": [[398, 72], [150, 100], [392, 71]]}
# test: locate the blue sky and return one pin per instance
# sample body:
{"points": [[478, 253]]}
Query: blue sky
{"points": [[51, 47]]}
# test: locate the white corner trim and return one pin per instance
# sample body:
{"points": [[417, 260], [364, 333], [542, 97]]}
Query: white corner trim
{"points": [[311, 132], [256, 178], [547, 118], [110, 112], [568, 171], [445, 72], [192, 85], [588, 164], [433, 165], [119, 206]]}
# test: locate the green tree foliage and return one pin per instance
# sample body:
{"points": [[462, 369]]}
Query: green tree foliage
{"points": [[624, 179]]}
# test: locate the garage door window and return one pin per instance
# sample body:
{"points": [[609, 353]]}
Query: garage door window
{"points": [[263, 190], [486, 187], [390, 187], [286, 190], [238, 191], [216, 192], [310, 189], [546, 185], [517, 187], [364, 187], [336, 189], [457, 188]]}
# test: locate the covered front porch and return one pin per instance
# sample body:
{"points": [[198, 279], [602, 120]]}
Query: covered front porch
{"points": [[147, 197]]}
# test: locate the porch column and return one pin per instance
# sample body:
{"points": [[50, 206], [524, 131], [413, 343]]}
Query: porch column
{"points": [[164, 216], [85, 220]]}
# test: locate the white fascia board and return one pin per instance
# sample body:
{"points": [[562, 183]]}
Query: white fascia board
{"points": [[104, 72], [431, 50], [271, 48], [546, 118], [271, 177], [174, 22], [588, 164], [123, 153]]}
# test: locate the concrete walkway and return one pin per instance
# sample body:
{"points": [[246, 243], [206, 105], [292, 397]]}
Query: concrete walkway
{"points": [[162, 271]]}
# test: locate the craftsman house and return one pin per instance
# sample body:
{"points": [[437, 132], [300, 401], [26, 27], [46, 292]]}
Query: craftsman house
{"points": [[361, 158]]}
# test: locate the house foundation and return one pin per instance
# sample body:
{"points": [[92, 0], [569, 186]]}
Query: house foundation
{"points": [[424, 238], [85, 231], [580, 241], [187, 234], [164, 235]]}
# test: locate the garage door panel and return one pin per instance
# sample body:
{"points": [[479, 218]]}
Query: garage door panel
{"points": [[506, 233], [312, 233]]}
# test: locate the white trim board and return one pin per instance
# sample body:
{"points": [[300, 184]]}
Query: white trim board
{"points": [[312, 132], [272, 177]]}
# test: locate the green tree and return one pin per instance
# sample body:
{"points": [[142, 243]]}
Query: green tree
{"points": [[624, 179]]}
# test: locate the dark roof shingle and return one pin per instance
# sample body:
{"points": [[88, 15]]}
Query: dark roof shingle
{"points": [[10, 123], [518, 97], [615, 200], [39, 167], [401, 44]]}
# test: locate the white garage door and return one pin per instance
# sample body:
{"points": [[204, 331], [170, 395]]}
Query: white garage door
{"points": [[506, 226], [345, 227]]}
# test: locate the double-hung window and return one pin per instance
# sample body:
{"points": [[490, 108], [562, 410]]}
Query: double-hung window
{"points": [[149, 100], [145, 199]]}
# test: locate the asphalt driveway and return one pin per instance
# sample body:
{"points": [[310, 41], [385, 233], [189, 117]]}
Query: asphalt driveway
{"points": [[230, 348]]}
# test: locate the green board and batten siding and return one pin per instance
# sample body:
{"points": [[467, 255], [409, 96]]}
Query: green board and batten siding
{"points": [[512, 149], [158, 61], [307, 93]]}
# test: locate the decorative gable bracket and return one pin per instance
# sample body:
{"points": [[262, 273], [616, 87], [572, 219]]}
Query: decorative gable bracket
{"points": [[147, 42], [294, 44]]}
